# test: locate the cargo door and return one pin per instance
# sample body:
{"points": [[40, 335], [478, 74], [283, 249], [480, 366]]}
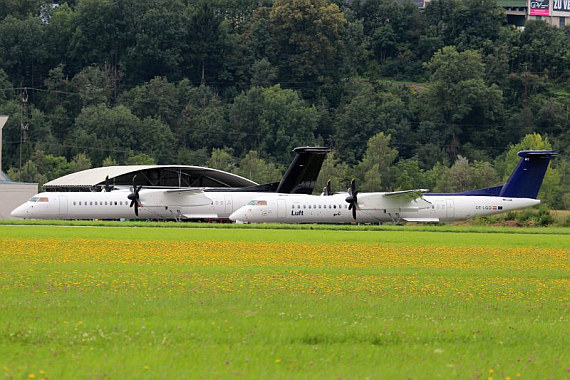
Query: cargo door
{"points": [[450, 209], [62, 205], [281, 208], [228, 205]]}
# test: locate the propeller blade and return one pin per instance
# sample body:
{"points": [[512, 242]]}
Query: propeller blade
{"points": [[352, 198], [327, 189], [107, 184], [134, 196]]}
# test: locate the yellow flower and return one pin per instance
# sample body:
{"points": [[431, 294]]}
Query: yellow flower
{"points": [[32, 375], [277, 360]]}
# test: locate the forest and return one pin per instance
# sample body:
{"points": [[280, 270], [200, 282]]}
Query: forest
{"points": [[440, 98]]}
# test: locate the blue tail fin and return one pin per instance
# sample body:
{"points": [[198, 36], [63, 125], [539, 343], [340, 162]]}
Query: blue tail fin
{"points": [[526, 179]]}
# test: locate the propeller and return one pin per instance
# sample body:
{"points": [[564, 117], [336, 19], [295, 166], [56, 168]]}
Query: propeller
{"points": [[134, 196], [108, 186], [327, 190], [352, 198]]}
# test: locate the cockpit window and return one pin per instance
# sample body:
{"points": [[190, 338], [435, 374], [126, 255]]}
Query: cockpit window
{"points": [[257, 203], [39, 199]]}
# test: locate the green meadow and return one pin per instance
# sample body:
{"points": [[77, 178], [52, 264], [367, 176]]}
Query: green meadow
{"points": [[145, 301]]}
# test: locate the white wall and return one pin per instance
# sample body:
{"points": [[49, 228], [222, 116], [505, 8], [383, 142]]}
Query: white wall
{"points": [[13, 194]]}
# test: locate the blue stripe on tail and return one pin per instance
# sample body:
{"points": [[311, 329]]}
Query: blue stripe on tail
{"points": [[526, 179]]}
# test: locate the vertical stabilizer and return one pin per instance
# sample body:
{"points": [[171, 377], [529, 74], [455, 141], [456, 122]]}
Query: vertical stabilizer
{"points": [[301, 176], [526, 179]]}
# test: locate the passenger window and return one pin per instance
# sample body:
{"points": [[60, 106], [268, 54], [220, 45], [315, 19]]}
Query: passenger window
{"points": [[115, 203], [79, 203], [334, 206], [74, 203]]}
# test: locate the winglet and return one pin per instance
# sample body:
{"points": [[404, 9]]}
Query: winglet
{"points": [[527, 177]]}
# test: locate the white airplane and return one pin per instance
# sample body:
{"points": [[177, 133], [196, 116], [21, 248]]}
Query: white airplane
{"points": [[171, 203], [518, 192]]}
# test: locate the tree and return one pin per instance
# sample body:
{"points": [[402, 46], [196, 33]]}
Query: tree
{"points": [[222, 159], [551, 191], [336, 171], [462, 176], [80, 162], [244, 118], [409, 175], [308, 36], [94, 86], [374, 169], [205, 39], [479, 23], [285, 122], [29, 173], [252, 166], [99, 33], [140, 159], [101, 131], [22, 56], [367, 110], [459, 100], [160, 31], [204, 120], [157, 98]]}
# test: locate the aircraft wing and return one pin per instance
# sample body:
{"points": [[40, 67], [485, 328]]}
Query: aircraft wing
{"points": [[175, 197], [410, 194], [395, 201]]}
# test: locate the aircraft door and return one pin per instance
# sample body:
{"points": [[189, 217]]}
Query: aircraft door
{"points": [[228, 205], [281, 208], [450, 212], [62, 205], [438, 210]]}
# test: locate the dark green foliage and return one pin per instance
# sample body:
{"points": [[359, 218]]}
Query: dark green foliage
{"points": [[181, 81]]}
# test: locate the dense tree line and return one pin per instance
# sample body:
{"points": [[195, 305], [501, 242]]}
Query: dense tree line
{"points": [[437, 98]]}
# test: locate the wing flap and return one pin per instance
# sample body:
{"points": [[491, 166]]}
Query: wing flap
{"points": [[200, 216], [407, 200], [422, 220]]}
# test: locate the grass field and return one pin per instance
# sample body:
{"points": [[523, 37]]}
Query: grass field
{"points": [[140, 302]]}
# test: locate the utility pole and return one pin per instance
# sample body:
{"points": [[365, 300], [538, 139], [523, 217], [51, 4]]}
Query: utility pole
{"points": [[3, 120], [23, 127]]}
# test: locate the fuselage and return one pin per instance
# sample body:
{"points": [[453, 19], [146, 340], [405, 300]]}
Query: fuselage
{"points": [[154, 204], [284, 208]]}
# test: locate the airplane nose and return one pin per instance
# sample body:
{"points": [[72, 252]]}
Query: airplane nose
{"points": [[19, 212], [239, 216]]}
